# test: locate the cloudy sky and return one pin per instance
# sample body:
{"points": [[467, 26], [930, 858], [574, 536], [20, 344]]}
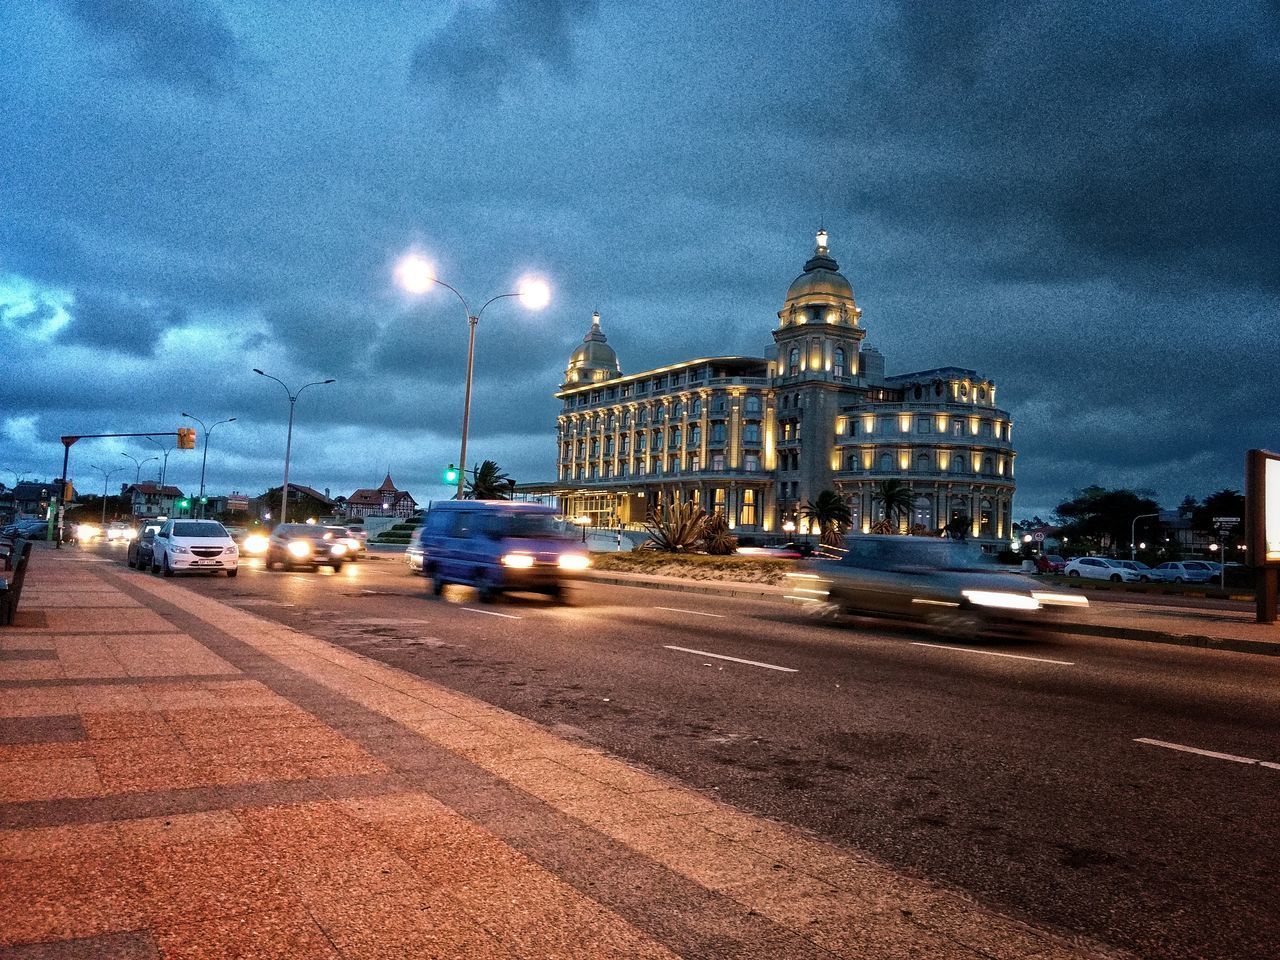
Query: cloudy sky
{"points": [[1076, 198]]}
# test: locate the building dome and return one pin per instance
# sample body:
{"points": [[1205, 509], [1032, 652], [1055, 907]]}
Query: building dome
{"points": [[594, 359], [821, 294]]}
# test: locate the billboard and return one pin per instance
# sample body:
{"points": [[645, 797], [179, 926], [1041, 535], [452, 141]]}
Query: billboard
{"points": [[1263, 499]]}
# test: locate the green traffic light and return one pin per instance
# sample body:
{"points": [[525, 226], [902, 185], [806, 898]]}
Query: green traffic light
{"points": [[451, 474]]}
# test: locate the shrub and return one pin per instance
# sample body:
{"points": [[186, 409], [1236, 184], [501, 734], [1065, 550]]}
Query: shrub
{"points": [[675, 527]]}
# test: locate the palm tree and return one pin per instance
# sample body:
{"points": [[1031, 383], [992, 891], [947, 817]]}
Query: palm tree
{"points": [[488, 482], [675, 527], [831, 515], [896, 499]]}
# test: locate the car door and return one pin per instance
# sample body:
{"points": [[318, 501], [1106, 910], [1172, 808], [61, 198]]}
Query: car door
{"points": [[160, 547]]}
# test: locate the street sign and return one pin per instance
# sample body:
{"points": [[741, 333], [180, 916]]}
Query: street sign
{"points": [[1226, 521], [1038, 537]]}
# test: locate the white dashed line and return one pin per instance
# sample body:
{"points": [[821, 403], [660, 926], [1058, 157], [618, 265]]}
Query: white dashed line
{"points": [[1207, 753], [720, 656], [492, 613], [696, 613], [992, 653]]}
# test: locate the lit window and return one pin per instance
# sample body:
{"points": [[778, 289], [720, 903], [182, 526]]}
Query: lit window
{"points": [[837, 362], [793, 362]]}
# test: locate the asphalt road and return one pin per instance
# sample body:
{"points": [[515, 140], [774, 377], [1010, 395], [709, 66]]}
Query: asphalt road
{"points": [[1012, 770]]}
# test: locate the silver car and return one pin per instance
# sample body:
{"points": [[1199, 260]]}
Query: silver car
{"points": [[947, 584]]}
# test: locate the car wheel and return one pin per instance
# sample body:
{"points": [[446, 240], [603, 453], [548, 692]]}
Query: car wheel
{"points": [[1116, 578], [1178, 580], [485, 587], [155, 566], [131, 564], [231, 573], [337, 565], [1073, 573], [168, 569], [437, 583], [1145, 579], [957, 624]]}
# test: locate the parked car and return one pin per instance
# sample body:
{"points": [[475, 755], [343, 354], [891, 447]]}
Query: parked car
{"points": [[1100, 568], [139, 554], [1145, 573], [945, 583], [496, 546], [1185, 572], [28, 528], [305, 545], [193, 545], [1050, 563]]}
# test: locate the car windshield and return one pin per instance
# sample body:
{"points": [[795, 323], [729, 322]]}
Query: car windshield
{"points": [[306, 530], [198, 528], [920, 552], [531, 525]]}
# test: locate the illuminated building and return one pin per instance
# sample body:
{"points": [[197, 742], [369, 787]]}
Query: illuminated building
{"points": [[759, 437]]}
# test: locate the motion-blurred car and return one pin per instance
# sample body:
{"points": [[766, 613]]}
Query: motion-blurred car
{"points": [[1189, 571], [305, 545], [784, 553], [119, 532], [946, 584], [1101, 568], [139, 553], [193, 545], [355, 546], [496, 546]]}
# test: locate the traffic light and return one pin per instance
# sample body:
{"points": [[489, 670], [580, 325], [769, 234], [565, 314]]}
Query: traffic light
{"points": [[183, 504], [204, 499], [186, 438], [451, 474]]}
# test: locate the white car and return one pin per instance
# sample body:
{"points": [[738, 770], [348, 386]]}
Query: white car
{"points": [[118, 532], [1101, 568], [194, 545], [1190, 571], [1145, 574]]}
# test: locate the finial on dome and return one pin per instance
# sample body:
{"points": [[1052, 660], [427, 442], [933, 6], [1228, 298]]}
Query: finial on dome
{"points": [[822, 242], [595, 318]]}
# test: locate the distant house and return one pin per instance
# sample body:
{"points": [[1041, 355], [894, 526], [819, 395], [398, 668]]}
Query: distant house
{"points": [[151, 499], [304, 502], [383, 501], [31, 498]]}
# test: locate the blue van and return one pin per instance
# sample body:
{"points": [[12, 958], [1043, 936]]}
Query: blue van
{"points": [[495, 546]]}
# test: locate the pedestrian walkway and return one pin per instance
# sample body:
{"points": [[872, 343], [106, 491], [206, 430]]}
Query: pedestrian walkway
{"points": [[180, 778]]}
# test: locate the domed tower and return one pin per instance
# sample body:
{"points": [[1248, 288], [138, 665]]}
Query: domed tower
{"points": [[594, 360], [818, 331]]}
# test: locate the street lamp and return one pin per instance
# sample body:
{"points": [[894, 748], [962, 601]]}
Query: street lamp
{"points": [[164, 467], [416, 274], [106, 476], [205, 458], [583, 521], [137, 475], [288, 444], [1133, 534]]}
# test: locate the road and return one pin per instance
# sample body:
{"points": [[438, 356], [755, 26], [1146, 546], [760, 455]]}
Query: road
{"points": [[1016, 771]]}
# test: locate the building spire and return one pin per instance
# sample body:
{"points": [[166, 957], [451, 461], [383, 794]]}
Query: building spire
{"points": [[595, 319], [821, 249]]}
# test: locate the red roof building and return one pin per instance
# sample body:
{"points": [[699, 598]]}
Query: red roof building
{"points": [[383, 501]]}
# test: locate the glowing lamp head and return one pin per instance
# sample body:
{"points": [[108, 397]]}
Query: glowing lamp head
{"points": [[822, 239], [415, 273], [535, 293]]}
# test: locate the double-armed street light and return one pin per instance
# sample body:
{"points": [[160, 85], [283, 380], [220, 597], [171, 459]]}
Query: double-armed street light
{"points": [[137, 475], [204, 460], [288, 444], [164, 466], [106, 477], [416, 275]]}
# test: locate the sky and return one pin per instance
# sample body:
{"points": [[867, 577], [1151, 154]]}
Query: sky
{"points": [[1078, 199]]}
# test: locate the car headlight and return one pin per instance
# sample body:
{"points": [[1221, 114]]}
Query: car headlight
{"points": [[256, 543], [520, 560], [574, 561], [1004, 601], [87, 531], [179, 548], [1061, 599], [338, 549], [233, 550], [300, 548], [130, 534], [351, 543]]}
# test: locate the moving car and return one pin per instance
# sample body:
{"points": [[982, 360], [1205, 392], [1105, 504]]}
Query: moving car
{"points": [[1101, 568], [193, 545], [355, 546], [1188, 571], [947, 584], [305, 545], [119, 532], [496, 546], [139, 553]]}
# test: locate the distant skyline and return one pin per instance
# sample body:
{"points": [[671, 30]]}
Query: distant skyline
{"points": [[1076, 199]]}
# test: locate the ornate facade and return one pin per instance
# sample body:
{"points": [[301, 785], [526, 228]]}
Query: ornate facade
{"points": [[758, 437]]}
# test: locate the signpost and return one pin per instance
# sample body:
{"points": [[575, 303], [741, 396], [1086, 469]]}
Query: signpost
{"points": [[1262, 502]]}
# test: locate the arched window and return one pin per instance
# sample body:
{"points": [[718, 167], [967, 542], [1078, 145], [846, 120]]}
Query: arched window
{"points": [[677, 410], [837, 362], [988, 466], [753, 404], [957, 463], [675, 437], [751, 433], [886, 463], [923, 463], [695, 409], [793, 362]]}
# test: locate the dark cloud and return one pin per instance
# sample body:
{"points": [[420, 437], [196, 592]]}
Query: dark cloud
{"points": [[481, 49], [119, 325], [180, 42]]}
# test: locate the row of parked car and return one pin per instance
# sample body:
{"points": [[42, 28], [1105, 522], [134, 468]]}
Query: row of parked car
{"points": [[1135, 571], [189, 546]]}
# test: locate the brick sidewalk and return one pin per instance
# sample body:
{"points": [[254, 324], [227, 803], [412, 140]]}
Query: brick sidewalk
{"points": [[179, 778]]}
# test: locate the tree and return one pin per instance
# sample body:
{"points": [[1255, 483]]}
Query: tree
{"points": [[958, 526], [488, 482], [675, 527], [1107, 516], [895, 499], [831, 515]]}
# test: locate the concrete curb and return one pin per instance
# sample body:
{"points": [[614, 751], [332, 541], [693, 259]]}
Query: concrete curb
{"points": [[776, 594]]}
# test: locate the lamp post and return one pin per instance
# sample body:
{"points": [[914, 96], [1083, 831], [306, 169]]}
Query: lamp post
{"points": [[416, 275], [164, 467], [288, 444], [205, 458], [1133, 534], [137, 475], [106, 476]]}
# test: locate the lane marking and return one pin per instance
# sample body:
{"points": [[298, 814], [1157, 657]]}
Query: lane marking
{"points": [[992, 653], [720, 656], [1183, 748], [492, 613], [696, 613]]}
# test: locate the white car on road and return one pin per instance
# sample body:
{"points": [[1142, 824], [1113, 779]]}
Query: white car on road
{"points": [[1101, 568], [194, 545]]}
